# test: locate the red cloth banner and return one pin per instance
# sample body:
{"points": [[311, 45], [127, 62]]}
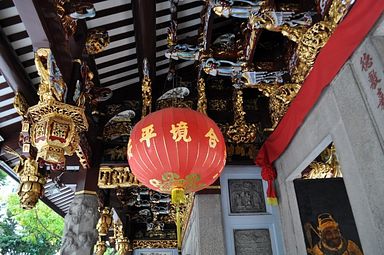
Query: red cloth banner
{"points": [[340, 46]]}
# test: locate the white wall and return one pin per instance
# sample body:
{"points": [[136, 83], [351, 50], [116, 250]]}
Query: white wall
{"points": [[204, 235], [346, 114]]}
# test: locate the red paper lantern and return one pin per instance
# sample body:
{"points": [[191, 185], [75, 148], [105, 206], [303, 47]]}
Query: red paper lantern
{"points": [[176, 150]]}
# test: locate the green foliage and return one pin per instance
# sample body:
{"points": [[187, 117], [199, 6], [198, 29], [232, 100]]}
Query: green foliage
{"points": [[10, 240], [39, 230], [3, 177]]}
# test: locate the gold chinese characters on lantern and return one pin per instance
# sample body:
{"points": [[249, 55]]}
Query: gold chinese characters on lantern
{"points": [[176, 149]]}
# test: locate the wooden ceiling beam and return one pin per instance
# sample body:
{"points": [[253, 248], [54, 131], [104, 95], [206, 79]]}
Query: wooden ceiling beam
{"points": [[144, 21], [13, 71], [16, 78], [45, 29]]}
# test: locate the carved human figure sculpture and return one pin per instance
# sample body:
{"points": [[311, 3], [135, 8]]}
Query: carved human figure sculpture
{"points": [[183, 51], [236, 8], [274, 20]]}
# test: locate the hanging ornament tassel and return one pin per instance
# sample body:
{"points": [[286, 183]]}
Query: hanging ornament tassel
{"points": [[269, 174], [178, 198]]}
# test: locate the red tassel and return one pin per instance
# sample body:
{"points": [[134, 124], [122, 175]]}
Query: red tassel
{"points": [[268, 173]]}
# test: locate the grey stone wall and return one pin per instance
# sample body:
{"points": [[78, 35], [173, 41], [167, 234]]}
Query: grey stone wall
{"points": [[204, 235], [348, 113]]}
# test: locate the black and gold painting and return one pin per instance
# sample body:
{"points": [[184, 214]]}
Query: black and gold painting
{"points": [[326, 216]]}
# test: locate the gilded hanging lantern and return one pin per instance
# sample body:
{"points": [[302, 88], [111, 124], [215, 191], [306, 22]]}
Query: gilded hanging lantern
{"points": [[55, 130]]}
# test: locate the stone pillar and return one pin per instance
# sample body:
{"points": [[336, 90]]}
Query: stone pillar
{"points": [[205, 232], [80, 234]]}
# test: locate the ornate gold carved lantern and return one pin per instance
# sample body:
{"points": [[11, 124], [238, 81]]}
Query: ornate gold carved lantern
{"points": [[55, 125], [55, 130]]}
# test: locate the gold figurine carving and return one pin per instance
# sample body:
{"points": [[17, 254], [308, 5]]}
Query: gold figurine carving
{"points": [[327, 167], [105, 221], [114, 177], [100, 247], [52, 85], [121, 242], [241, 131]]}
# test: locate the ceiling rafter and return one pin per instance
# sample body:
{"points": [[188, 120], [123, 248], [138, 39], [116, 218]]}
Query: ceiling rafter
{"points": [[13, 71], [144, 20], [45, 29]]}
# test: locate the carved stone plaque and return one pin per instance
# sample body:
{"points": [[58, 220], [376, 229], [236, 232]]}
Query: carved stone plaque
{"points": [[252, 241], [246, 196]]}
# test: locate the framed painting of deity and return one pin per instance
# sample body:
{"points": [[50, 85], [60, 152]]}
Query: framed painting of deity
{"points": [[326, 217]]}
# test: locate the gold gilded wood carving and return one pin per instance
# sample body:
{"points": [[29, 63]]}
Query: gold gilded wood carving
{"points": [[217, 105], [328, 167], [310, 41], [105, 221], [240, 131], [97, 41], [114, 177], [279, 101], [174, 102], [20, 104], [247, 150], [71, 11], [202, 99], [121, 242], [146, 87], [100, 247], [32, 182], [54, 126], [52, 85], [154, 244]]}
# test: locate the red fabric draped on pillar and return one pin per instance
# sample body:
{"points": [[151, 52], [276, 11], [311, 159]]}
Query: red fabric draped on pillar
{"points": [[340, 46]]}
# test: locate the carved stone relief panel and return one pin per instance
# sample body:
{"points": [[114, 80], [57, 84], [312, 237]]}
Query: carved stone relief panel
{"points": [[252, 241], [246, 196]]}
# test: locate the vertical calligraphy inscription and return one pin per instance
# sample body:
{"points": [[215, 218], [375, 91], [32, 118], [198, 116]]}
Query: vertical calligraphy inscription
{"points": [[252, 241], [246, 196]]}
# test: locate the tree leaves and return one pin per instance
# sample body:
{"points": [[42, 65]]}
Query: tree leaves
{"points": [[36, 231]]}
